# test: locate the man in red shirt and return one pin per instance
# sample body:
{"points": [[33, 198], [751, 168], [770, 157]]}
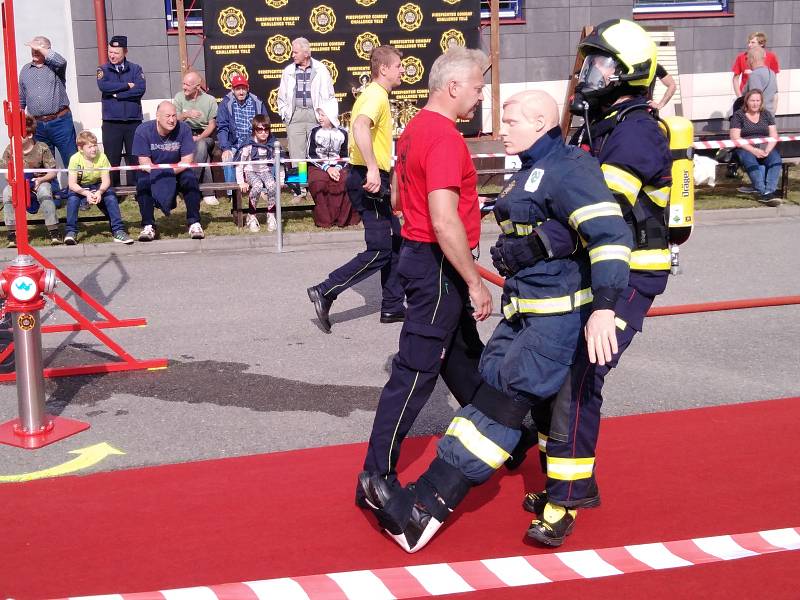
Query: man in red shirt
{"points": [[435, 187], [741, 70]]}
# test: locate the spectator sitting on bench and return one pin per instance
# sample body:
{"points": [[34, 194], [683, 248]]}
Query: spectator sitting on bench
{"points": [[88, 183], [761, 161], [257, 178], [166, 140], [234, 121], [327, 143], [35, 155]]}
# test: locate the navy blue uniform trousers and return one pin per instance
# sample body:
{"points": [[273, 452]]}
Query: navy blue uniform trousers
{"points": [[116, 135], [439, 337], [382, 236]]}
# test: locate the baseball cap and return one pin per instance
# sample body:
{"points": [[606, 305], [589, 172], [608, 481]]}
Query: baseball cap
{"points": [[238, 80]]}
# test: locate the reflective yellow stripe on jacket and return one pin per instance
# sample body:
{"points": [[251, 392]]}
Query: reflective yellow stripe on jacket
{"points": [[477, 443], [650, 260], [510, 228], [547, 306], [659, 196], [601, 209], [569, 469], [610, 252], [619, 181]]}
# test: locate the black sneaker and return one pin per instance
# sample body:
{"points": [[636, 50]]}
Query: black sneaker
{"points": [[393, 317], [555, 524], [322, 306], [770, 199], [55, 238], [12, 240], [534, 502]]}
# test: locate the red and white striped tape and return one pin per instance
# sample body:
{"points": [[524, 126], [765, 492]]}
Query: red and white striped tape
{"points": [[494, 573], [708, 145]]}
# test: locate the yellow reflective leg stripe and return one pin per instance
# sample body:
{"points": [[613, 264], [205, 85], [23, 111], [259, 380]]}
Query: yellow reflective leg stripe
{"points": [[569, 469], [610, 252], [650, 260], [601, 209], [507, 226], [659, 196], [478, 444], [620, 181], [547, 306], [542, 442]]}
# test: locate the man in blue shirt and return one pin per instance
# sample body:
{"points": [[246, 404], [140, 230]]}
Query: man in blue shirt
{"points": [[122, 86], [43, 95], [166, 140]]}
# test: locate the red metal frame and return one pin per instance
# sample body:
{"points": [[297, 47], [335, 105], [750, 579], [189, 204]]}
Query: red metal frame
{"points": [[15, 120]]}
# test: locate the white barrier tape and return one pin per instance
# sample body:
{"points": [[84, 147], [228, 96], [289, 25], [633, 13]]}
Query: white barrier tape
{"points": [[491, 573], [706, 145]]}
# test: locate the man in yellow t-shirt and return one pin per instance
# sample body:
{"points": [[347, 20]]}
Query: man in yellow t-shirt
{"points": [[90, 182], [368, 188]]}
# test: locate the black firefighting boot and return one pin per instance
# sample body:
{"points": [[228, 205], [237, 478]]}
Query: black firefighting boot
{"points": [[555, 524], [534, 502]]}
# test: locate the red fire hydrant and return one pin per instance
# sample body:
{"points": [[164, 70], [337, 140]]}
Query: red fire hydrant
{"points": [[23, 284]]}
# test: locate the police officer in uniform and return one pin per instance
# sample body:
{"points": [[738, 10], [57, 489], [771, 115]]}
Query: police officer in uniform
{"points": [[624, 135], [545, 307], [122, 86]]}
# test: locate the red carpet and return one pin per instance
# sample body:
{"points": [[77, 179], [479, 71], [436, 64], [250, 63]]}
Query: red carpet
{"points": [[663, 477]]}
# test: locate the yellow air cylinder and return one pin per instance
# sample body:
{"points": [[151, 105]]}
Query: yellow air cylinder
{"points": [[681, 197]]}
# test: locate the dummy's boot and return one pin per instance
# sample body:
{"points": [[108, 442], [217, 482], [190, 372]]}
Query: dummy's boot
{"points": [[555, 524]]}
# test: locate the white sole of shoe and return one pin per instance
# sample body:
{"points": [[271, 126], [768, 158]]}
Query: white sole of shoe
{"points": [[430, 530]]}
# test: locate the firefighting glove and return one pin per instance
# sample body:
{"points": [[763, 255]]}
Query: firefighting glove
{"points": [[512, 254]]}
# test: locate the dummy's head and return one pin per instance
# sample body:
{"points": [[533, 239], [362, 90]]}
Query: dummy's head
{"points": [[527, 116]]}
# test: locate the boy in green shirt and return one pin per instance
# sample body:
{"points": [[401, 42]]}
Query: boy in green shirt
{"points": [[35, 155], [87, 181]]}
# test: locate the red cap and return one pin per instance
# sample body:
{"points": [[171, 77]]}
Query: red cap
{"points": [[238, 80]]}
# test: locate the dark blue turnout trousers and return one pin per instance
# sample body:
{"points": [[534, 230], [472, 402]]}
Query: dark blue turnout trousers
{"points": [[382, 236], [160, 187], [439, 337]]}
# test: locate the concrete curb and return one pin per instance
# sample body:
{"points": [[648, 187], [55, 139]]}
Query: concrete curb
{"points": [[269, 242]]}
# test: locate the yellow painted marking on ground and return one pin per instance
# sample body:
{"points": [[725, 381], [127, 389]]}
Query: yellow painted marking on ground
{"points": [[91, 455]]}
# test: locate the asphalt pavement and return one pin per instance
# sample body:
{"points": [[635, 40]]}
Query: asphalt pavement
{"points": [[250, 371]]}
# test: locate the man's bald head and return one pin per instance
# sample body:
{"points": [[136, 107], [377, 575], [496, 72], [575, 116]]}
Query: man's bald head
{"points": [[527, 116], [166, 117]]}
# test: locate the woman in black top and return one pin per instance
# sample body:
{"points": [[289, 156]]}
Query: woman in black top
{"points": [[761, 161]]}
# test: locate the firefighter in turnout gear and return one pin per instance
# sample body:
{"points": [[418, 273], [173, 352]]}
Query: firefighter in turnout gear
{"points": [[546, 304], [633, 150]]}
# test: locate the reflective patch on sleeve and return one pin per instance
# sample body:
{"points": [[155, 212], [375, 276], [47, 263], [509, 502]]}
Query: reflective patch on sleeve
{"points": [[601, 209], [659, 196], [621, 182], [651, 260], [609, 252]]}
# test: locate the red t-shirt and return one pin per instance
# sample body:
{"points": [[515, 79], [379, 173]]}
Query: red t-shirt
{"points": [[740, 66], [432, 155]]}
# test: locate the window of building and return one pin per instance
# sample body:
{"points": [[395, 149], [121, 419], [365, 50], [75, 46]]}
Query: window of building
{"points": [[510, 10], [684, 8], [194, 13]]}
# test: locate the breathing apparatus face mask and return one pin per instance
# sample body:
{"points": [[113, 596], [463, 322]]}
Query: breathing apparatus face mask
{"points": [[598, 76]]}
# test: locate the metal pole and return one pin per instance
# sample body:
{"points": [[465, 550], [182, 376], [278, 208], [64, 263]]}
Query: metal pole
{"points": [[15, 119], [182, 36], [277, 157], [494, 27], [102, 32], [30, 376]]}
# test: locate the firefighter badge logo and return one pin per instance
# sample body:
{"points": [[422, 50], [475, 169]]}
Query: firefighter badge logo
{"points": [[409, 16], [534, 179], [277, 3], [272, 100], [26, 322], [450, 39], [412, 69], [322, 19], [365, 44], [278, 48], [366, 2], [231, 21], [332, 69], [231, 69]]}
